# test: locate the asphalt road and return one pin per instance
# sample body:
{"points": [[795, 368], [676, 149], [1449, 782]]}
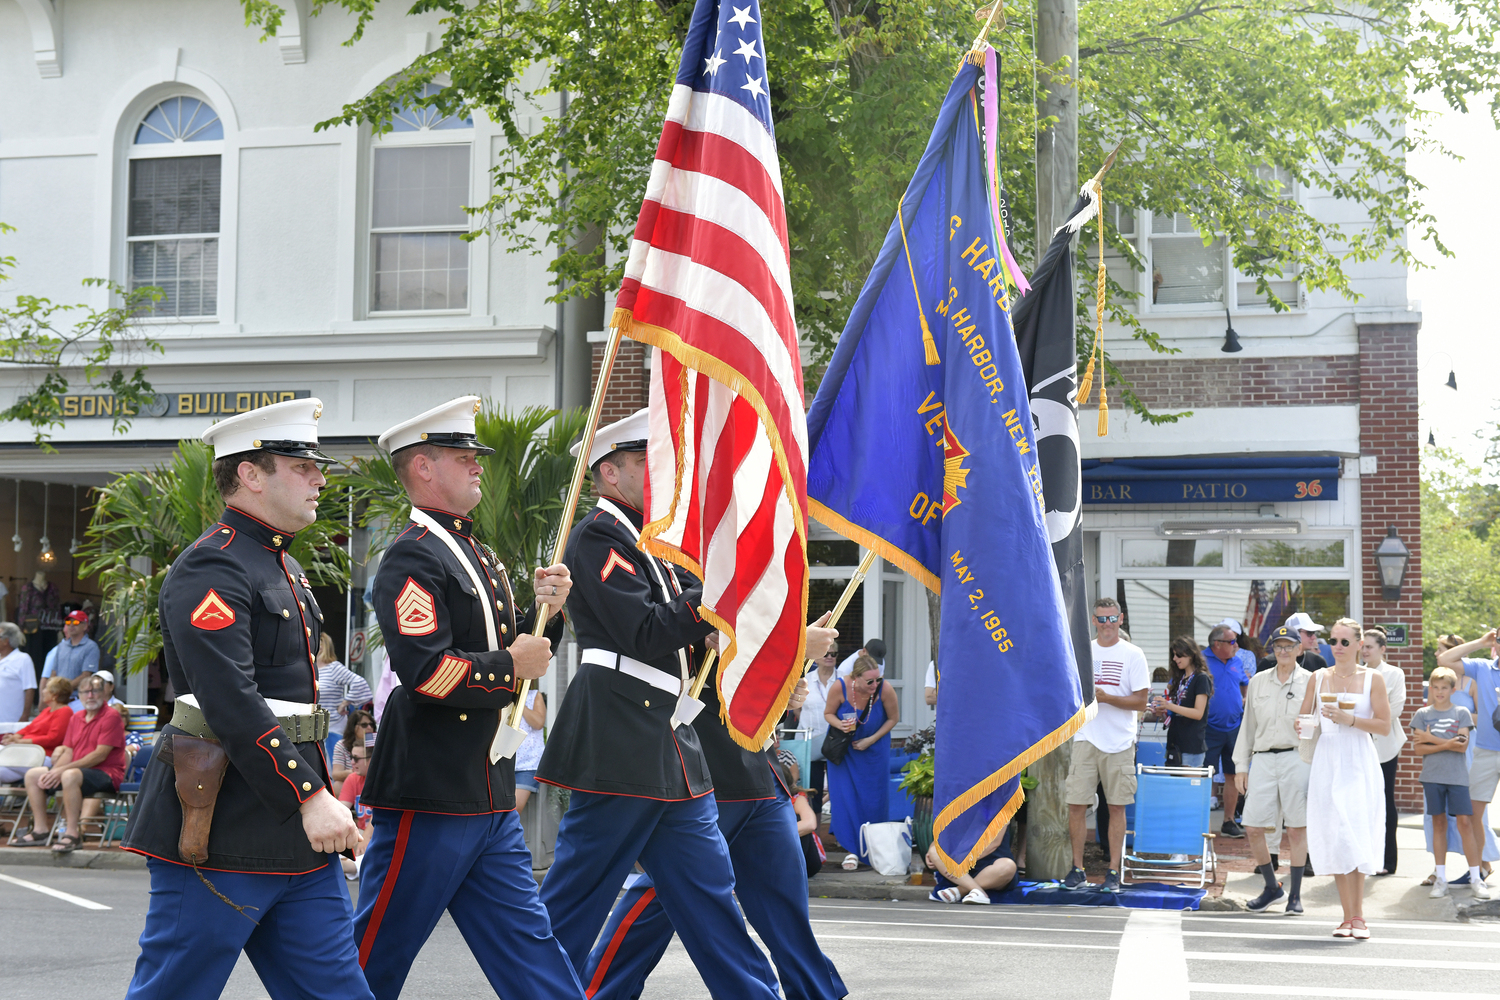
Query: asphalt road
{"points": [[74, 946]]}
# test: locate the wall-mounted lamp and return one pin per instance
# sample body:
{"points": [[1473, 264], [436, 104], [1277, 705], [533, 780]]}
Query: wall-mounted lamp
{"points": [[1392, 557], [1231, 339]]}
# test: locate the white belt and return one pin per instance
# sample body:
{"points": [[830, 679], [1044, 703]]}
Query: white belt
{"points": [[657, 678], [276, 705]]}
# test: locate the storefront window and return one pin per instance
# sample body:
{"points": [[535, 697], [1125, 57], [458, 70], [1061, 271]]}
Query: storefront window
{"points": [[1156, 611], [1292, 552], [1172, 552], [840, 552]]}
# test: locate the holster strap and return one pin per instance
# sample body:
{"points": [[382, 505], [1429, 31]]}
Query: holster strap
{"points": [[304, 728]]}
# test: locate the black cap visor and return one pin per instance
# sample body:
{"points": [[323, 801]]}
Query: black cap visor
{"points": [[463, 442], [297, 449]]}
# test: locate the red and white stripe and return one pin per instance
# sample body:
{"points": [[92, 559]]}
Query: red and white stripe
{"points": [[709, 283]]}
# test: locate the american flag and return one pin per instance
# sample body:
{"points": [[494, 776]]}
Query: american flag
{"points": [[708, 283]]}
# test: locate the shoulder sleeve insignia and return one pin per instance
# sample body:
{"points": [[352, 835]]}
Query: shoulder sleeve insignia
{"points": [[213, 614], [615, 559], [445, 678], [415, 612]]}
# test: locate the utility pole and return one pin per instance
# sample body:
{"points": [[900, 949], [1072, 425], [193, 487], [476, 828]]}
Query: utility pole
{"points": [[1049, 850]]}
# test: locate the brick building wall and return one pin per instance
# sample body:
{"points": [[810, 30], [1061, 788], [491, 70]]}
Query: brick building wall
{"points": [[1391, 496], [629, 381], [1209, 382]]}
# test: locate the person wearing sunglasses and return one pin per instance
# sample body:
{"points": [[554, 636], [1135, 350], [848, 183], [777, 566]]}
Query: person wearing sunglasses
{"points": [[1104, 749], [1225, 710], [1307, 631]]}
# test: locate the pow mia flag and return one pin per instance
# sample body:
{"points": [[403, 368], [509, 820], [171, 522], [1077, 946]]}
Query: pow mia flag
{"points": [[1045, 336]]}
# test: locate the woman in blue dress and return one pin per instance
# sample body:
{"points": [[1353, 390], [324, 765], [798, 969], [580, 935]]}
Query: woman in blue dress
{"points": [[859, 788], [1464, 695]]}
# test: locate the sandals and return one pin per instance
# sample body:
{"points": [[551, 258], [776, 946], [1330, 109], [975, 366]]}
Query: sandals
{"points": [[851, 862], [978, 897], [952, 894], [32, 838], [66, 844], [1430, 880], [1358, 930], [1344, 930]]}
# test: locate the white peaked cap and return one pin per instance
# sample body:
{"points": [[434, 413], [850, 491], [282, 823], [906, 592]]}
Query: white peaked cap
{"points": [[622, 435], [289, 428], [450, 425]]}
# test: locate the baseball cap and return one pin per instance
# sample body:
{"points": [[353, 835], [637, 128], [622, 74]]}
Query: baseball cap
{"points": [[105, 676], [1284, 633], [1231, 623], [1302, 621], [75, 617]]}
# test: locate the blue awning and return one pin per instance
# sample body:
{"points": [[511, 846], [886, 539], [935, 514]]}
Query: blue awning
{"points": [[1231, 478]]}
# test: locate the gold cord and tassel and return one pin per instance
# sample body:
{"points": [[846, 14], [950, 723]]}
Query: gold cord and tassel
{"points": [[929, 346], [1096, 352]]}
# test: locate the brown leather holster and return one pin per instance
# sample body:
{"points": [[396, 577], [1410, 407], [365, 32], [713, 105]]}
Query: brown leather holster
{"points": [[199, 766]]}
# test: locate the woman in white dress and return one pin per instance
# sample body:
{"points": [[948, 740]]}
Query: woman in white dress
{"points": [[1346, 791]]}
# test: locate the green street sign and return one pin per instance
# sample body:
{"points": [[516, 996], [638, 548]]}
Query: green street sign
{"points": [[1395, 634]]}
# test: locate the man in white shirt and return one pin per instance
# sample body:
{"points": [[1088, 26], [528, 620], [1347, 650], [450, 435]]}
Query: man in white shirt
{"points": [[17, 675], [1104, 749], [876, 649], [930, 688]]}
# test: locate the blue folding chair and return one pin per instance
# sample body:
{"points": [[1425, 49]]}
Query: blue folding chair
{"points": [[1171, 819], [117, 807]]}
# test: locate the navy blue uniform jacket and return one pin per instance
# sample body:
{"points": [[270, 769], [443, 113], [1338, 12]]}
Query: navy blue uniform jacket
{"points": [[432, 751], [613, 733], [240, 625]]}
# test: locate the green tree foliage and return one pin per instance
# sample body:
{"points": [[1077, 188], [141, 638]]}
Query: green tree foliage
{"points": [[35, 336], [1206, 97], [154, 515], [523, 484], [1460, 547]]}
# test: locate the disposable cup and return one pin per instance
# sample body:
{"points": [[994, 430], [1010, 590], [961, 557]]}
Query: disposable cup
{"points": [[1306, 726]]}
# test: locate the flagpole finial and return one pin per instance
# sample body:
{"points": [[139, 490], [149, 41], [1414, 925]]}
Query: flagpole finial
{"points": [[987, 14]]}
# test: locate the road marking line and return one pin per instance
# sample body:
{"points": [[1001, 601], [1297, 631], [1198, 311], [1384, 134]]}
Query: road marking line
{"points": [[67, 897], [1271, 920], [1151, 965], [999, 944], [1421, 942], [1333, 991], [1327, 959], [976, 927], [1068, 912]]}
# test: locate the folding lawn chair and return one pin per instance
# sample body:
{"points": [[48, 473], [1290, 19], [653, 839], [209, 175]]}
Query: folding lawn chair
{"points": [[13, 797], [1171, 818]]}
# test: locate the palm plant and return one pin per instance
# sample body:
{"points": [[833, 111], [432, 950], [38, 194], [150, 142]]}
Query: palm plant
{"points": [[141, 523], [524, 485]]}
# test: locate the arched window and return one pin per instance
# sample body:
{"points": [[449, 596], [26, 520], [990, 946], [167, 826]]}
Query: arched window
{"points": [[172, 230], [419, 186]]}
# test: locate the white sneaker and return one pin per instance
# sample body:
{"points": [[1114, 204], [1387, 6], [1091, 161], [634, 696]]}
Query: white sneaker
{"points": [[1439, 890], [1479, 889]]}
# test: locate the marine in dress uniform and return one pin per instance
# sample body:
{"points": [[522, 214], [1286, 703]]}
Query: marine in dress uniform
{"points": [[770, 881], [446, 834], [641, 788], [240, 628]]}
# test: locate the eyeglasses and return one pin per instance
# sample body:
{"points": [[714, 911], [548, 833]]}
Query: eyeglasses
{"points": [[1106, 619], [1341, 642], [1225, 642]]}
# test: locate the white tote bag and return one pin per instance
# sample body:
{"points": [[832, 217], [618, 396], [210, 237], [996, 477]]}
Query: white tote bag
{"points": [[887, 845]]}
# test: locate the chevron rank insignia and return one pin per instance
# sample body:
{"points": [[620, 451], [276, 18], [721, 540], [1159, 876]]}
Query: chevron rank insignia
{"points": [[615, 559], [213, 614], [415, 612], [445, 678]]}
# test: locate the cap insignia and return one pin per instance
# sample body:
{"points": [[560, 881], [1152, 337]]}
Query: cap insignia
{"points": [[276, 540], [476, 409], [255, 443], [458, 525], [318, 411]]}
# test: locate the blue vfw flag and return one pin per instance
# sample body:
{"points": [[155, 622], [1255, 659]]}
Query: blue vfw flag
{"points": [[922, 447]]}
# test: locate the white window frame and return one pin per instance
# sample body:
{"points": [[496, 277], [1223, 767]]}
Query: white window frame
{"points": [[431, 137], [174, 150]]}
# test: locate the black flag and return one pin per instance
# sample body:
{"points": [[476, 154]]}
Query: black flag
{"points": [[1044, 322]]}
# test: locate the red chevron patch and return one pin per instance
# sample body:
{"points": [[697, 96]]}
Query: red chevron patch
{"points": [[212, 614], [615, 559]]}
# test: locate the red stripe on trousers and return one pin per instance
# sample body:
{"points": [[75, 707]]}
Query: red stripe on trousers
{"points": [[617, 940], [389, 886]]}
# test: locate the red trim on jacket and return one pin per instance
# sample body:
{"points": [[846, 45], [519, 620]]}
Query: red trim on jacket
{"points": [[210, 868], [622, 795]]}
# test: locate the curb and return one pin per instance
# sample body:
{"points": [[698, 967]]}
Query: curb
{"points": [[900, 891], [1221, 904], [1483, 910], [41, 857]]}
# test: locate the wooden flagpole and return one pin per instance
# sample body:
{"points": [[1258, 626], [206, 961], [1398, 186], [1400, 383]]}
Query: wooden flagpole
{"points": [[596, 408], [829, 620]]}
